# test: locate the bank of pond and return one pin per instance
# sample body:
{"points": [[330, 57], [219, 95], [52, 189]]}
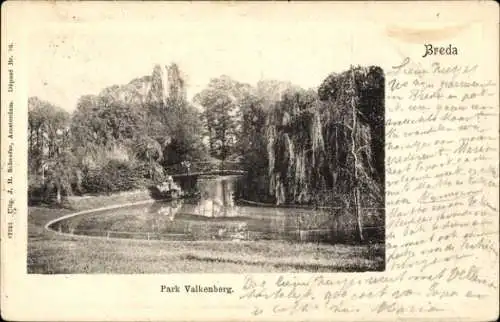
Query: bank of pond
{"points": [[208, 210]]}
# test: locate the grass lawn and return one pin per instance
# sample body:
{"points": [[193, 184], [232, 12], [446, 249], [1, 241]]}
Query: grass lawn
{"points": [[51, 253]]}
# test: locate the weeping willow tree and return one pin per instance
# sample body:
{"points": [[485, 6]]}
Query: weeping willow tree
{"points": [[326, 148]]}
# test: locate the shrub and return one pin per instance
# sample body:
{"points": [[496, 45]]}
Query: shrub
{"points": [[115, 176]]}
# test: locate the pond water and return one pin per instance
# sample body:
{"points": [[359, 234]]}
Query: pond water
{"points": [[213, 215]]}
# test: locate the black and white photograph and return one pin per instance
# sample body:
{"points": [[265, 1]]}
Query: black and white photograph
{"points": [[249, 161], [177, 153]]}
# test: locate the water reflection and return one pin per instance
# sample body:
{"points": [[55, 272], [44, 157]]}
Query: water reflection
{"points": [[212, 215], [166, 210], [216, 196]]}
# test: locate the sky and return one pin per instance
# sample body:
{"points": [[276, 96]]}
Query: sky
{"points": [[72, 59]]}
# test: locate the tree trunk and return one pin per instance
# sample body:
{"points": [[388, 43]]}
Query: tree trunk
{"points": [[359, 213], [357, 209], [42, 157], [58, 197], [210, 139]]}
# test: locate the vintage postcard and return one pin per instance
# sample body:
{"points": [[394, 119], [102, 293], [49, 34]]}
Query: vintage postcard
{"points": [[247, 161]]}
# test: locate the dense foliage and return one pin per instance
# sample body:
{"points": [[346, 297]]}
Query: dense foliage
{"points": [[117, 140], [221, 110], [321, 147], [328, 143]]}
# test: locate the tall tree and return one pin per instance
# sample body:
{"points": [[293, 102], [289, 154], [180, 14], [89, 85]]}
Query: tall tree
{"points": [[326, 148], [62, 172], [176, 87], [183, 123], [156, 95], [104, 121], [221, 103], [50, 156], [45, 121]]}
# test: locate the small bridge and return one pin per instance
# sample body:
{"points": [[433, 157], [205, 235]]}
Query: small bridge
{"points": [[205, 168], [208, 173]]}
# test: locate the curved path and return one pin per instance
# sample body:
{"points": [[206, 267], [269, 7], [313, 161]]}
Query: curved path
{"points": [[84, 212]]}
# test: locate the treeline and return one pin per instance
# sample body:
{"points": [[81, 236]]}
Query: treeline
{"points": [[118, 140], [301, 145], [323, 148], [320, 147]]}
